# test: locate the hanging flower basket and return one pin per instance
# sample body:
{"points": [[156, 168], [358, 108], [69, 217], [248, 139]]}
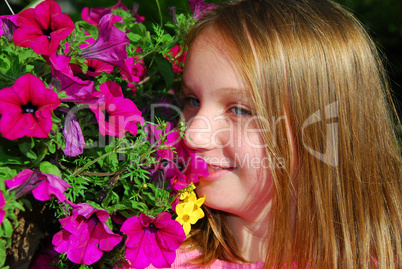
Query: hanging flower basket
{"points": [[94, 172]]}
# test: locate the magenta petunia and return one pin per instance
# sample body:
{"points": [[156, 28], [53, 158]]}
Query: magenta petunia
{"points": [[78, 90], [2, 204], [152, 240], [199, 8], [172, 139], [85, 235], [26, 108], [184, 167], [134, 71], [42, 185], [110, 46], [52, 185], [178, 58], [43, 27], [116, 115], [93, 15]]}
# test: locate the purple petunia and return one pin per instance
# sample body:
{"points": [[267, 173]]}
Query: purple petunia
{"points": [[110, 46], [152, 240], [85, 235], [78, 90], [8, 25], [199, 7], [73, 136]]}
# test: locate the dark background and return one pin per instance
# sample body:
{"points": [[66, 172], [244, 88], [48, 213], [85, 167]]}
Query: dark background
{"points": [[382, 18]]}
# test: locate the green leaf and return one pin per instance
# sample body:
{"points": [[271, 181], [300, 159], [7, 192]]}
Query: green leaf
{"points": [[7, 172], [62, 94], [166, 70], [52, 148], [49, 168], [3, 253], [7, 228], [134, 37], [26, 145], [140, 29]]}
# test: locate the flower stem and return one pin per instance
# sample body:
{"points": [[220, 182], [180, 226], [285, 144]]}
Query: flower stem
{"points": [[159, 10], [9, 7], [40, 157], [79, 171], [10, 78]]}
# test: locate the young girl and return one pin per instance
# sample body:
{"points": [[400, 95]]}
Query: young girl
{"points": [[288, 103]]}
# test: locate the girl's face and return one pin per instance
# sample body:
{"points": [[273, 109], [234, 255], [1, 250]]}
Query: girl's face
{"points": [[223, 132]]}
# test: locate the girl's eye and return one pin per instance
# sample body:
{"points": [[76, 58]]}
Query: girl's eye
{"points": [[240, 111], [192, 101]]}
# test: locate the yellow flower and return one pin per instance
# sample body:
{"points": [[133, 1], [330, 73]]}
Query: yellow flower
{"points": [[186, 215], [197, 204]]}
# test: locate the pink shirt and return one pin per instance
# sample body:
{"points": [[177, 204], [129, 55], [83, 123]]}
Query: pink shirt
{"points": [[182, 257]]}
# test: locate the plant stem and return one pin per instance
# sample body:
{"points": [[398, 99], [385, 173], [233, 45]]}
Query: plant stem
{"points": [[9, 7], [79, 171], [6, 76], [159, 10], [41, 155]]}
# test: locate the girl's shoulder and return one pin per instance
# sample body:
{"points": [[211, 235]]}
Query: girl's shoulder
{"points": [[183, 257]]}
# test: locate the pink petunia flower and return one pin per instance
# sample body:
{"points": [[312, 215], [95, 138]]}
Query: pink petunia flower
{"points": [[152, 240], [26, 108], [42, 185], [178, 58], [110, 46], [172, 139], [134, 70], [2, 204], [199, 8], [43, 27], [93, 15], [116, 115], [184, 167], [85, 235]]}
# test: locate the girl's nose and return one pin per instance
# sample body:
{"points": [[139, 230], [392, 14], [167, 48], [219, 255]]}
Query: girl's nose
{"points": [[198, 133], [206, 132]]}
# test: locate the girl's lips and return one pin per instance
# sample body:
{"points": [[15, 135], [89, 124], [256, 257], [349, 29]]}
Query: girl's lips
{"points": [[216, 172]]}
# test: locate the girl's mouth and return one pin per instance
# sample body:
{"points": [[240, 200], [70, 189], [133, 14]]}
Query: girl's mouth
{"points": [[216, 172]]}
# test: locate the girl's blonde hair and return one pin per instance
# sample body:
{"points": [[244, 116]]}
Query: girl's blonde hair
{"points": [[337, 202]]}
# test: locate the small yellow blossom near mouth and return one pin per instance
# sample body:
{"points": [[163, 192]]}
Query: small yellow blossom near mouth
{"points": [[186, 216], [197, 204], [189, 208]]}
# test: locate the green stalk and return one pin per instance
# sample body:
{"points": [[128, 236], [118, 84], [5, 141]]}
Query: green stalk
{"points": [[10, 78], [9, 7], [41, 155], [79, 171], [159, 10]]}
